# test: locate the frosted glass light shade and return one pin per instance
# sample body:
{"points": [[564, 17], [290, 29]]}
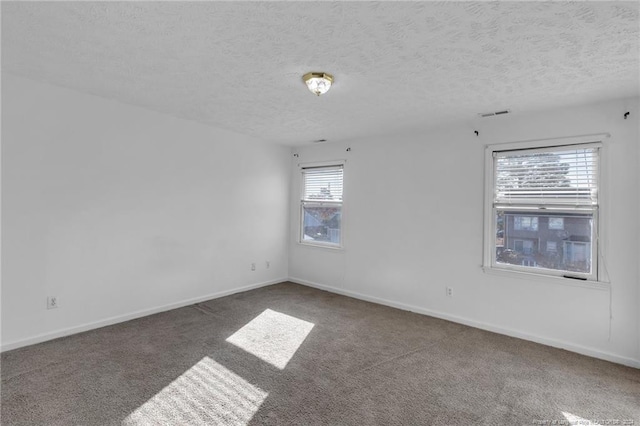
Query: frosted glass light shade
{"points": [[318, 83]]}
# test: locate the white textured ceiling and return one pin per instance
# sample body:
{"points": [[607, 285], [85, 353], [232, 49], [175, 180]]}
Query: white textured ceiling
{"points": [[238, 65]]}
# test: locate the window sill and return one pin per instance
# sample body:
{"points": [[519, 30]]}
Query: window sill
{"points": [[549, 279], [321, 246]]}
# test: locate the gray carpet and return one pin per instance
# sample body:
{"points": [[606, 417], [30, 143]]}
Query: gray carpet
{"points": [[288, 354]]}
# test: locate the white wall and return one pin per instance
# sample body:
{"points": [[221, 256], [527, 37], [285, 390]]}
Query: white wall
{"points": [[413, 224], [119, 211]]}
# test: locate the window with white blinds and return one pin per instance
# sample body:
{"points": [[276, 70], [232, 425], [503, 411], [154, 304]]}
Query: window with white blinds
{"points": [[541, 197], [321, 205], [556, 176], [322, 183]]}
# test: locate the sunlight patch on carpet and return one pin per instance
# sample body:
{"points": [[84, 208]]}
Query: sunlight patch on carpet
{"points": [[207, 393], [272, 336], [575, 420]]}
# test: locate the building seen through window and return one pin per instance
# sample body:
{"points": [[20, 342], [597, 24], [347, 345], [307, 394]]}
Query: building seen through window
{"points": [[551, 241]]}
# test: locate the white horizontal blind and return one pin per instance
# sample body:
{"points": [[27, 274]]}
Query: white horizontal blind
{"points": [[557, 176], [322, 183]]}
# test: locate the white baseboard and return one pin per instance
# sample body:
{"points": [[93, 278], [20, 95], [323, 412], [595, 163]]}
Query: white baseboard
{"points": [[126, 317], [595, 353]]}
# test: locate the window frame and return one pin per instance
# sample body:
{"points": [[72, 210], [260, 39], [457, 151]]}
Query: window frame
{"points": [[312, 243], [490, 264]]}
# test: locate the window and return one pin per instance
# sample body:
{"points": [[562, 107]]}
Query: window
{"points": [[524, 246], [556, 223], [321, 206], [525, 223], [542, 209]]}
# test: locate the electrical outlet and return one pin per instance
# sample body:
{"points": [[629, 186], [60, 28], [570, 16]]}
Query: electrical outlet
{"points": [[52, 302], [253, 266], [449, 291], [267, 264]]}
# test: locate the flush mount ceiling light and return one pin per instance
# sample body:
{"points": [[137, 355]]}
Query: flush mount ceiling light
{"points": [[318, 83]]}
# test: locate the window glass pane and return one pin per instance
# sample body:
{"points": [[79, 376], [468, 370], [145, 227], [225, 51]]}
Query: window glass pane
{"points": [[321, 205], [545, 202], [521, 241], [321, 223]]}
